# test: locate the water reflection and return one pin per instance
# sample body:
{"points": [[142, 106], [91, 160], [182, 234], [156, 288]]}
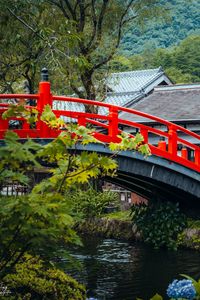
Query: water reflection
{"points": [[117, 270]]}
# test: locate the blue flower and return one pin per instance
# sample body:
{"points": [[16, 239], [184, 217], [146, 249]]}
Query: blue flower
{"points": [[181, 289]]}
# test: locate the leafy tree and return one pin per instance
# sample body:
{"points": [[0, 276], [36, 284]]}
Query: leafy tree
{"points": [[98, 23], [78, 39], [187, 56], [17, 160], [30, 38], [21, 50], [181, 63], [41, 222], [184, 21]]}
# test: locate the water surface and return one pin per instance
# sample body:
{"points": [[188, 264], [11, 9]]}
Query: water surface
{"points": [[120, 270]]}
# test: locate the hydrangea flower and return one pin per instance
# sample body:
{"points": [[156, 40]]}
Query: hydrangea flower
{"points": [[181, 289]]}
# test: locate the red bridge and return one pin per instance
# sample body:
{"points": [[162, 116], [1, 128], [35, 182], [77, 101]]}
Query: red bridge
{"points": [[109, 123], [169, 173]]}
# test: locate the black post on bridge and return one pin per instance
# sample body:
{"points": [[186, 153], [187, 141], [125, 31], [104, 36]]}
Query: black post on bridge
{"points": [[44, 74], [44, 77]]}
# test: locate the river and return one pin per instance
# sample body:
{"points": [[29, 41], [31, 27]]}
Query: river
{"points": [[120, 270]]}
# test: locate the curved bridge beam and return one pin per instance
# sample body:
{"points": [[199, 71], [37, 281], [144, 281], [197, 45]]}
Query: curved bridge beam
{"points": [[153, 176]]}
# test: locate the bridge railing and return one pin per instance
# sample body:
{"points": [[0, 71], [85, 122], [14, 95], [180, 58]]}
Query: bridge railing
{"points": [[108, 125]]}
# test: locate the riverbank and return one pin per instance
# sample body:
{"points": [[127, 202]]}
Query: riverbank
{"points": [[110, 227]]}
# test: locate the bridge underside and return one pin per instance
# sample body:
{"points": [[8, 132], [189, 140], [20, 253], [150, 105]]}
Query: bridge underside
{"points": [[153, 190], [155, 178], [152, 177]]}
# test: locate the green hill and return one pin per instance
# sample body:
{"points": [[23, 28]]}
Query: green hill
{"points": [[184, 21]]}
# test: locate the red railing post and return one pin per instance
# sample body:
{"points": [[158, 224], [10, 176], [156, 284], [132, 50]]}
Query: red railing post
{"points": [[4, 124], [45, 98], [4, 127], [197, 157], [184, 153], [172, 141], [82, 121], [162, 145], [144, 133], [113, 129]]}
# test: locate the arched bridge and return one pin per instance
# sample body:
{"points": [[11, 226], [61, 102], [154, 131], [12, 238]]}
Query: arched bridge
{"points": [[169, 171]]}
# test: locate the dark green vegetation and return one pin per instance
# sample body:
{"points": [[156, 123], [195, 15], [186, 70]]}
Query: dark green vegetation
{"points": [[40, 224], [89, 203], [74, 42], [183, 21], [190, 237], [180, 63], [33, 279], [159, 222], [74, 39]]}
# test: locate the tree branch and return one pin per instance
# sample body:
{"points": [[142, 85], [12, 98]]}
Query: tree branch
{"points": [[25, 24], [94, 20], [65, 175], [70, 9], [76, 90], [81, 24], [121, 23]]}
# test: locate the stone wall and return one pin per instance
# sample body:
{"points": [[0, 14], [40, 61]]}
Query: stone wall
{"points": [[114, 228]]}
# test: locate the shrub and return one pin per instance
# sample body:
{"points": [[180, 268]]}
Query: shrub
{"points": [[159, 222], [91, 203], [33, 280]]}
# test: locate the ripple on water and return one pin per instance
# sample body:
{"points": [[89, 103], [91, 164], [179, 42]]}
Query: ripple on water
{"points": [[118, 270]]}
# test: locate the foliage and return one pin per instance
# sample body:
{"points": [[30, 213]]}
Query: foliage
{"points": [[190, 238], [193, 223], [31, 114], [37, 224], [30, 38], [128, 142], [41, 222], [32, 279], [122, 215], [17, 159], [184, 21], [180, 63], [90, 203], [76, 41], [160, 223]]}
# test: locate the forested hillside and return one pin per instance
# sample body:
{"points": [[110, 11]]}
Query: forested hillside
{"points": [[181, 62], [184, 20]]}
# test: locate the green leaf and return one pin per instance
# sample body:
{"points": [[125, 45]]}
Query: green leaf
{"points": [[156, 297]]}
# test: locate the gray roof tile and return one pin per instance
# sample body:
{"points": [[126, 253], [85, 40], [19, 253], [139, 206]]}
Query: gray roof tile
{"points": [[172, 103], [126, 87], [133, 80]]}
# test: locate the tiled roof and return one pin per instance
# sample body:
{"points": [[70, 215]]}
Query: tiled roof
{"points": [[173, 103], [132, 81], [120, 99], [127, 87]]}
